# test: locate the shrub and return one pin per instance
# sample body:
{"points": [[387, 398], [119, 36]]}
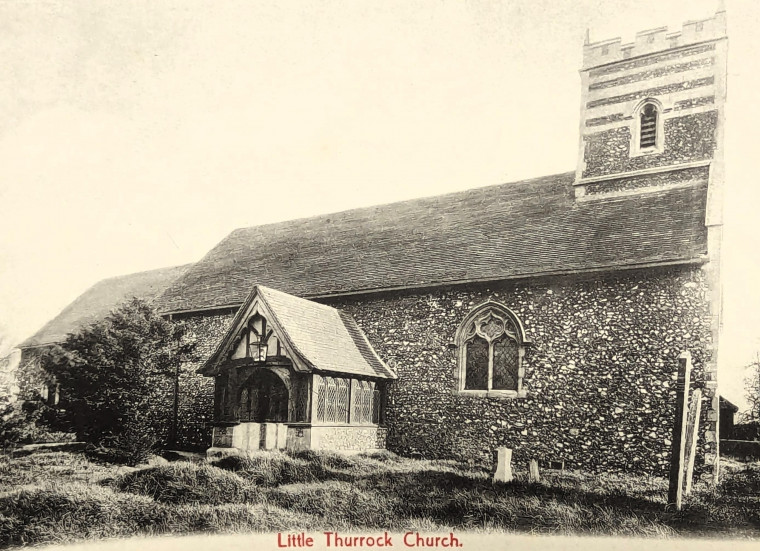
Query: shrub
{"points": [[183, 482], [744, 482], [116, 378]]}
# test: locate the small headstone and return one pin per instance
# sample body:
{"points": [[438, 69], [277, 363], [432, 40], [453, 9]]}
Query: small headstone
{"points": [[533, 476], [503, 465]]}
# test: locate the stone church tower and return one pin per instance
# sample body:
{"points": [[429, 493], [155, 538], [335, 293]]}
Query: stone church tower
{"points": [[652, 117]]}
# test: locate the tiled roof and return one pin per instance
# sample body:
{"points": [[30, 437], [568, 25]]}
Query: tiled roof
{"points": [[491, 233], [98, 301], [323, 337]]}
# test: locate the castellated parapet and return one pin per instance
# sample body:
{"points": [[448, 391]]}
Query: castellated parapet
{"points": [[654, 40]]}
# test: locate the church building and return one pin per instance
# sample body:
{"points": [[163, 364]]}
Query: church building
{"points": [[544, 315]]}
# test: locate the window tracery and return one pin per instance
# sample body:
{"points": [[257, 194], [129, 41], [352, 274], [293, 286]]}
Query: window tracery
{"points": [[491, 345]]}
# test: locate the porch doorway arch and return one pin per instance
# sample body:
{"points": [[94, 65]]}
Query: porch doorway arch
{"points": [[263, 398]]}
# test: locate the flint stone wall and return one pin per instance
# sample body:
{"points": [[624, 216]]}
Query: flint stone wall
{"points": [[600, 374], [196, 404], [348, 438], [687, 138]]}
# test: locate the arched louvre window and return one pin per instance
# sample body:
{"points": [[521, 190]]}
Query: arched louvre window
{"points": [[491, 343], [648, 127]]}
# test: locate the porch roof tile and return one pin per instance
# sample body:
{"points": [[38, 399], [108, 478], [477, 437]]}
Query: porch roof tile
{"points": [[324, 338]]}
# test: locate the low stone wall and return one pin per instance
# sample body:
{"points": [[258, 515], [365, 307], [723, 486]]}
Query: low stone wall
{"points": [[347, 438]]}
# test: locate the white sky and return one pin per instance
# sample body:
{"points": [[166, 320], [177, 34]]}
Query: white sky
{"points": [[136, 135]]}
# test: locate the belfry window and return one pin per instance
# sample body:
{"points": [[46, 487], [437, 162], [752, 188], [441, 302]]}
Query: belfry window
{"points": [[648, 129], [491, 345]]}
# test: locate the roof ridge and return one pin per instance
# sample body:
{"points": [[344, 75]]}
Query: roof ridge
{"points": [[548, 177], [140, 272]]}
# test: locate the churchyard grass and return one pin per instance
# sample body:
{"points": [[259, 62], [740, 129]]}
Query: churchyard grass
{"points": [[62, 496]]}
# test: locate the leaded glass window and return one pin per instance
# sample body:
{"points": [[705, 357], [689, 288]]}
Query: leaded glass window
{"points": [[490, 341], [476, 377]]}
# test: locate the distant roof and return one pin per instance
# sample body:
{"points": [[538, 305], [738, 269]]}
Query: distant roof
{"points": [[322, 337], [726, 404], [491, 233], [98, 301]]}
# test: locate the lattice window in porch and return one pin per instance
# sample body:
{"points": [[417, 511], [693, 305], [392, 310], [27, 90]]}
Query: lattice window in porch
{"points": [[301, 402], [341, 398], [321, 393], [356, 400], [331, 400]]}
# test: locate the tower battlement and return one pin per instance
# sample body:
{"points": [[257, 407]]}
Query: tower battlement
{"points": [[654, 40]]}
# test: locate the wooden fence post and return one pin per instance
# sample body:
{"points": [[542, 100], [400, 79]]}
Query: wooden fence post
{"points": [[692, 434], [678, 449]]}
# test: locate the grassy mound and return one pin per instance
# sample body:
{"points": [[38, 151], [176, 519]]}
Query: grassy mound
{"points": [[183, 482], [73, 512], [275, 468], [343, 504], [271, 469], [384, 456]]}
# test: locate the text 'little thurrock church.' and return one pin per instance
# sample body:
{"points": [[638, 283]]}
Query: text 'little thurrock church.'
{"points": [[545, 315]]}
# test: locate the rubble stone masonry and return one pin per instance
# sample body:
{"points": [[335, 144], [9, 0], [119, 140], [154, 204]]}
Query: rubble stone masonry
{"points": [[600, 373]]}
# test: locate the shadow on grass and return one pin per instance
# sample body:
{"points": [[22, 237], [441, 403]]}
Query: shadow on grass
{"points": [[456, 499]]}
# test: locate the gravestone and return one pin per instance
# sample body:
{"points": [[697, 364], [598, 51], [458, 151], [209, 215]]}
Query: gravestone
{"points": [[503, 465], [534, 476]]}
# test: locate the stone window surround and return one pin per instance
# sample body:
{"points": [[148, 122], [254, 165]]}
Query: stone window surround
{"points": [[636, 149], [459, 343]]}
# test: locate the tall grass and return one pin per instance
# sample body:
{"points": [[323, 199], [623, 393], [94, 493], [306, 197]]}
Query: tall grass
{"points": [[185, 482], [317, 491]]}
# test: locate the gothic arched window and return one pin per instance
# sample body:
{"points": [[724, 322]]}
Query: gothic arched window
{"points": [[491, 343], [648, 127], [647, 135]]}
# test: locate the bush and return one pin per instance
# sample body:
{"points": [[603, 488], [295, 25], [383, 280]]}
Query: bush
{"points": [[20, 423], [183, 482], [116, 377], [744, 482]]}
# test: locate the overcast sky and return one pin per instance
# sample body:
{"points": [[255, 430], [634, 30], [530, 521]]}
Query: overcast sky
{"points": [[136, 135]]}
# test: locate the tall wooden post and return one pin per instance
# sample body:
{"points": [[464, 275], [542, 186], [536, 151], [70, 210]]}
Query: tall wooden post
{"points": [[692, 435], [678, 449]]}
